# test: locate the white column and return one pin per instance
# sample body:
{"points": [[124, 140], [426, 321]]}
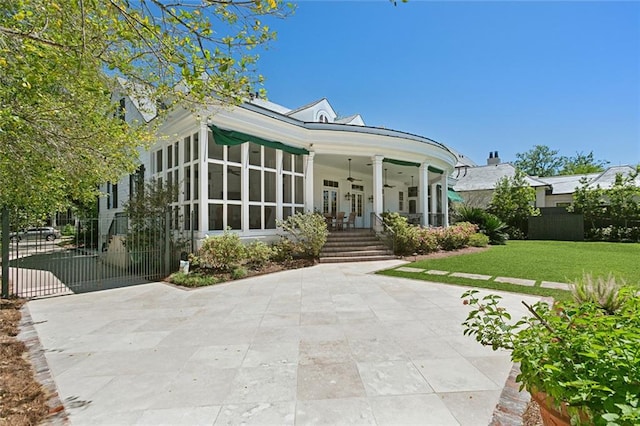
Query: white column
{"points": [[445, 200], [434, 201], [279, 180], [377, 184], [203, 198], [308, 183], [423, 193], [244, 172]]}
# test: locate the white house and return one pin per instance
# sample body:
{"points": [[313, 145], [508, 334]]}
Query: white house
{"points": [[246, 166]]}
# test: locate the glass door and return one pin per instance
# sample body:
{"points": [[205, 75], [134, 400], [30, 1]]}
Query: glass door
{"points": [[330, 202], [357, 206]]}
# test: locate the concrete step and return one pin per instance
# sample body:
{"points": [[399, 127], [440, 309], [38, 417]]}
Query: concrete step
{"points": [[355, 259], [358, 247], [355, 253], [363, 243]]}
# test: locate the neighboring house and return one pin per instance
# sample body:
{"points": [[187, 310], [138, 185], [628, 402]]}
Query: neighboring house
{"points": [[247, 166], [477, 184]]}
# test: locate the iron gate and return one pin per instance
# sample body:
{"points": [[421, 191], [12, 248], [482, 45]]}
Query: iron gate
{"points": [[90, 255]]}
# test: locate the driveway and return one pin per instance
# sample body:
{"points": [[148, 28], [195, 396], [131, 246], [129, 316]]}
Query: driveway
{"points": [[330, 344]]}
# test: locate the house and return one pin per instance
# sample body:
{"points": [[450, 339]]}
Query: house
{"points": [[244, 167], [476, 184]]}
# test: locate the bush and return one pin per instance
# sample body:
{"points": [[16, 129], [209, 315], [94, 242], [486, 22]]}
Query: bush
{"points": [[258, 254], [406, 236], [285, 250], [308, 231], [604, 292], [68, 230], [222, 252], [239, 273], [455, 237], [478, 240], [192, 279], [427, 241], [489, 224]]}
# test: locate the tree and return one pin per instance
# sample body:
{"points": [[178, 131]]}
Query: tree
{"points": [[60, 129], [513, 202], [539, 161], [582, 164]]}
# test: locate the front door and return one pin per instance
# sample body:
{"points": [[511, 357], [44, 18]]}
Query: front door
{"points": [[330, 201], [357, 206]]}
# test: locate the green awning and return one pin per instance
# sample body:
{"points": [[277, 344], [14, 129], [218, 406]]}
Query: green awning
{"points": [[454, 196], [410, 163], [233, 137]]}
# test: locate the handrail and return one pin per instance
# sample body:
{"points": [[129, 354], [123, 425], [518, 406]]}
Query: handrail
{"points": [[380, 228]]}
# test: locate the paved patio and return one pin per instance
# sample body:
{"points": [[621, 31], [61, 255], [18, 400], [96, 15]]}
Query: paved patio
{"points": [[331, 344]]}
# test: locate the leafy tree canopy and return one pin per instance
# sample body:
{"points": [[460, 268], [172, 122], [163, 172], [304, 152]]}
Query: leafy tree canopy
{"points": [[513, 202], [60, 131], [543, 161]]}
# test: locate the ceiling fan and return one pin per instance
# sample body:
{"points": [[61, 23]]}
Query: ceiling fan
{"points": [[350, 178], [386, 185]]}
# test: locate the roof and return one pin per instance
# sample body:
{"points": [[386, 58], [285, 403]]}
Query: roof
{"points": [[566, 184], [485, 177], [607, 178], [354, 119], [307, 106]]}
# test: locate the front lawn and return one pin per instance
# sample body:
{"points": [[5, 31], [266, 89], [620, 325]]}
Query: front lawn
{"points": [[558, 261]]}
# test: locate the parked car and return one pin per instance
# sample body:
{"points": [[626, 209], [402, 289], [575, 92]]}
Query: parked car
{"points": [[36, 233]]}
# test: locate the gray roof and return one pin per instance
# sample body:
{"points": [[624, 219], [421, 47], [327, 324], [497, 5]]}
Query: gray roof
{"points": [[486, 177], [606, 179], [566, 184]]}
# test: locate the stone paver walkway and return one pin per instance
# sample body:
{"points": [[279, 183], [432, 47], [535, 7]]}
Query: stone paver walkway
{"points": [[481, 277], [330, 344]]}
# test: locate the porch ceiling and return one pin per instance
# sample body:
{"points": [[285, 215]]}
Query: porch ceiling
{"points": [[361, 167]]}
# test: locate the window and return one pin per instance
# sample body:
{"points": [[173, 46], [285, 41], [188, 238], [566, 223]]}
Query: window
{"points": [[122, 114], [196, 146], [187, 150], [170, 156], [176, 151], [186, 212], [331, 183], [196, 182], [401, 201], [158, 161], [215, 151], [413, 191]]}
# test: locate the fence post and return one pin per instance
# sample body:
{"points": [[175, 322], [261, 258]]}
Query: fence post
{"points": [[167, 242], [5, 252]]}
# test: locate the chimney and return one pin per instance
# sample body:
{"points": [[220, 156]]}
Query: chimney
{"points": [[493, 158]]}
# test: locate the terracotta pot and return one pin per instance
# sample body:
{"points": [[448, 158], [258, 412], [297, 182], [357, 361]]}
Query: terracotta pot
{"points": [[551, 414]]}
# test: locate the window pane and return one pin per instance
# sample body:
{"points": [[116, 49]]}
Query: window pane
{"points": [[186, 213], [234, 154], [215, 150], [286, 212], [187, 183], [254, 185], [269, 157], [234, 216], [196, 218], [269, 217], [196, 146], [299, 210], [299, 190], [170, 178], [176, 217], [215, 182], [170, 156], [269, 187], [187, 149], [176, 150], [175, 186], [254, 154], [286, 188], [298, 160], [196, 182], [215, 217], [255, 217], [234, 183], [286, 161], [159, 161]]}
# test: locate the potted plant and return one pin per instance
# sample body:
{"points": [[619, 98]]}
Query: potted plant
{"points": [[579, 359]]}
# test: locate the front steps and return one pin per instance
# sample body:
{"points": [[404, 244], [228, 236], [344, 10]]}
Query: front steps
{"points": [[357, 245]]}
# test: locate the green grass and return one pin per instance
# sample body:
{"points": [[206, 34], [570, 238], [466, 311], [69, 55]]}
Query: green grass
{"points": [[558, 261]]}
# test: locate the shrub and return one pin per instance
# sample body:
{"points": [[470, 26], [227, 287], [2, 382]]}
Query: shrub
{"points": [[406, 236], [239, 273], [308, 230], [222, 252], [285, 250], [604, 292], [68, 230], [193, 279], [258, 254], [478, 240], [456, 236], [489, 224], [427, 241]]}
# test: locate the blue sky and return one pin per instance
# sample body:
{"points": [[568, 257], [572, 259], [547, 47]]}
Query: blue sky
{"points": [[476, 76]]}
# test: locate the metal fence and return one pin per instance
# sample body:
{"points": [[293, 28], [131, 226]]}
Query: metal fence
{"points": [[97, 255]]}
